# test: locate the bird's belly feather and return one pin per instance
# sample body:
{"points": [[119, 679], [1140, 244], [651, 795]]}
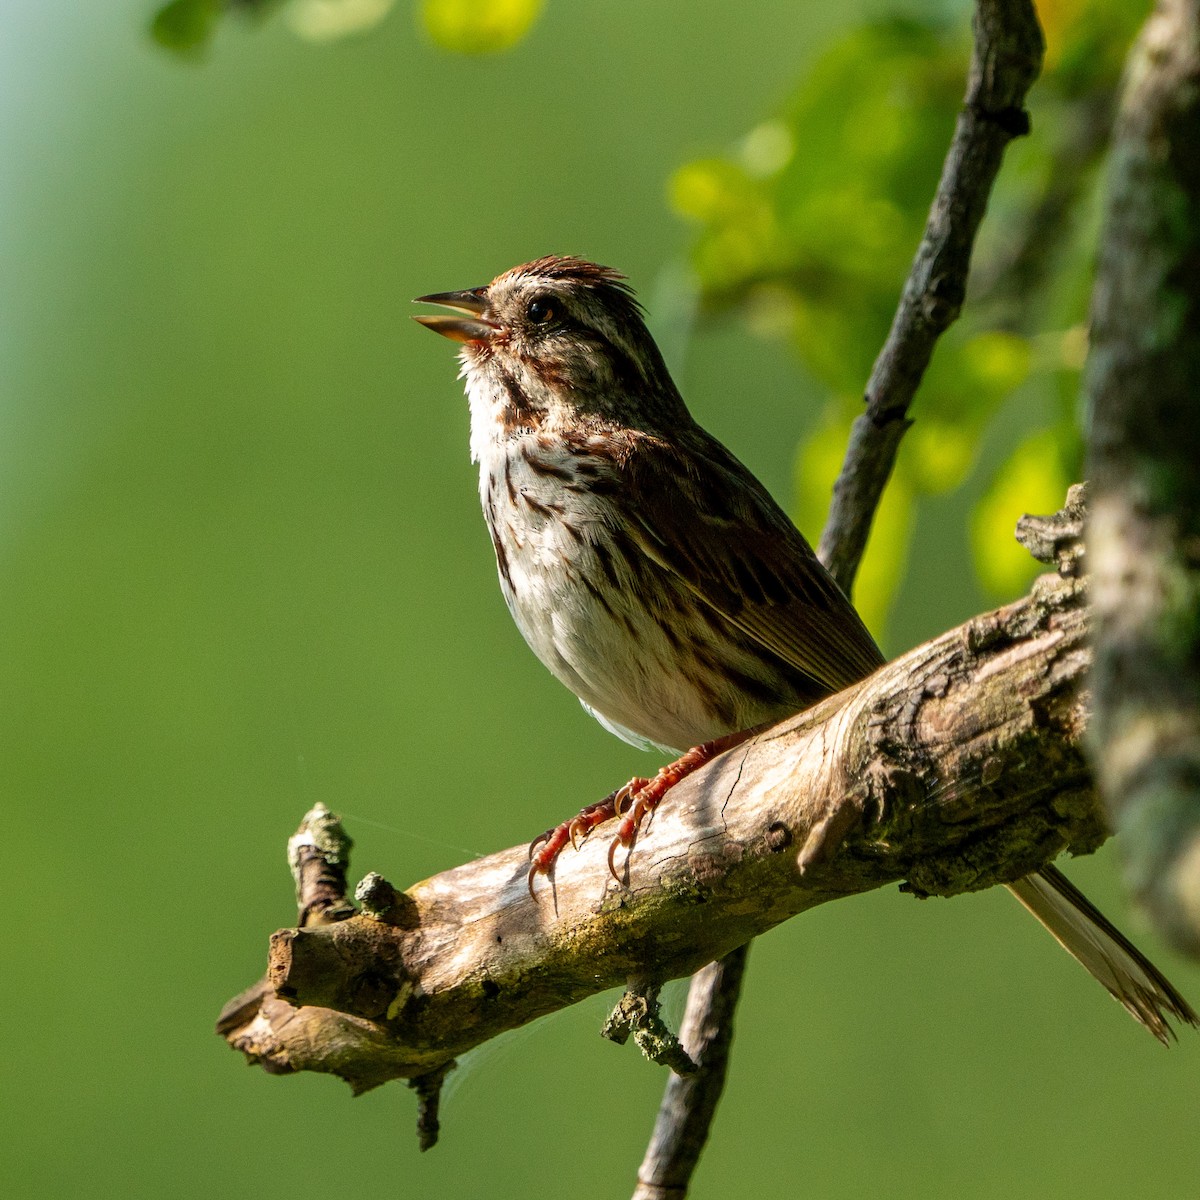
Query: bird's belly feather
{"points": [[601, 640]]}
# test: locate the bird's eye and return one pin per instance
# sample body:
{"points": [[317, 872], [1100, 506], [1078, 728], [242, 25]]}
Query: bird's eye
{"points": [[540, 312]]}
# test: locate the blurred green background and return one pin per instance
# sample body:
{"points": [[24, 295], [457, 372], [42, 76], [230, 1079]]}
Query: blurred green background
{"points": [[242, 569]]}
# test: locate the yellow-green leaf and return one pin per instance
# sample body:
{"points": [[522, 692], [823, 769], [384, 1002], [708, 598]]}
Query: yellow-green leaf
{"points": [[478, 26], [817, 465], [940, 453], [998, 360], [710, 190], [1033, 480], [328, 20]]}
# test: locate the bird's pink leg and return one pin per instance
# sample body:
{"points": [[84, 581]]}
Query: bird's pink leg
{"points": [[545, 849], [633, 803], [644, 799]]}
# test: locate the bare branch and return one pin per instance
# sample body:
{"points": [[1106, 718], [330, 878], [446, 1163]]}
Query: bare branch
{"points": [[685, 1115], [282, 1039], [953, 768], [638, 1013], [1007, 58], [1142, 381], [319, 857], [1006, 61], [1057, 539]]}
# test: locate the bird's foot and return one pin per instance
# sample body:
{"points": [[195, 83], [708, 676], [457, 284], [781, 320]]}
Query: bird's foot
{"points": [[632, 803], [545, 849], [644, 799]]}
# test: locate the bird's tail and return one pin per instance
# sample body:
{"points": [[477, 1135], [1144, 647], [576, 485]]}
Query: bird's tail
{"points": [[1088, 935]]}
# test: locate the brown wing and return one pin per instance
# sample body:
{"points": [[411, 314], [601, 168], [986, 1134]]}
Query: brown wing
{"points": [[698, 512]]}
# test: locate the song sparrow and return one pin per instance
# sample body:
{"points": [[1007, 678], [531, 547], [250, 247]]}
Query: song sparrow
{"points": [[653, 574]]}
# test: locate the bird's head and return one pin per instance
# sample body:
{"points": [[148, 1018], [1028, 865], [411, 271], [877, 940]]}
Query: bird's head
{"points": [[558, 344]]}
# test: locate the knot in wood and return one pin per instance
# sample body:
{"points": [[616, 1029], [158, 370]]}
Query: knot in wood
{"points": [[370, 995], [943, 300], [778, 837], [1012, 120]]}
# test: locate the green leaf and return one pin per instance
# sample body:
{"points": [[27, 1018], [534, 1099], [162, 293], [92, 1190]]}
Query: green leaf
{"points": [[1033, 480], [479, 26], [186, 26], [827, 198]]}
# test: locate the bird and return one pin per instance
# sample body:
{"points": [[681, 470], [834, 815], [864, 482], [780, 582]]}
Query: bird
{"points": [[655, 576]]}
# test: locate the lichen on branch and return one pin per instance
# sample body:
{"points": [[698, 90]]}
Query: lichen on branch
{"points": [[953, 768]]}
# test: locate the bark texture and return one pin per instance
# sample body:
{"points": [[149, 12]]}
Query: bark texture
{"points": [[953, 768], [1143, 387], [687, 1107]]}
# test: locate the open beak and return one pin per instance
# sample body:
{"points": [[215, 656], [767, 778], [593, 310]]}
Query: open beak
{"points": [[473, 326]]}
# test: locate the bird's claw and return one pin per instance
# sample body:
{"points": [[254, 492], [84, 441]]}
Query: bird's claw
{"points": [[626, 795], [577, 830], [632, 804], [643, 800], [612, 852], [545, 849]]}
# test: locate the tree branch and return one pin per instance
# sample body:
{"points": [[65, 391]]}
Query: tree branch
{"points": [[1142, 382], [1006, 60], [689, 1102], [283, 1039], [1004, 843], [953, 768]]}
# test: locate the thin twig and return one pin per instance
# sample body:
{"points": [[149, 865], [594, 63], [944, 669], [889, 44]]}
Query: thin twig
{"points": [[685, 1115], [319, 857], [638, 1013], [429, 1096], [1006, 60]]}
